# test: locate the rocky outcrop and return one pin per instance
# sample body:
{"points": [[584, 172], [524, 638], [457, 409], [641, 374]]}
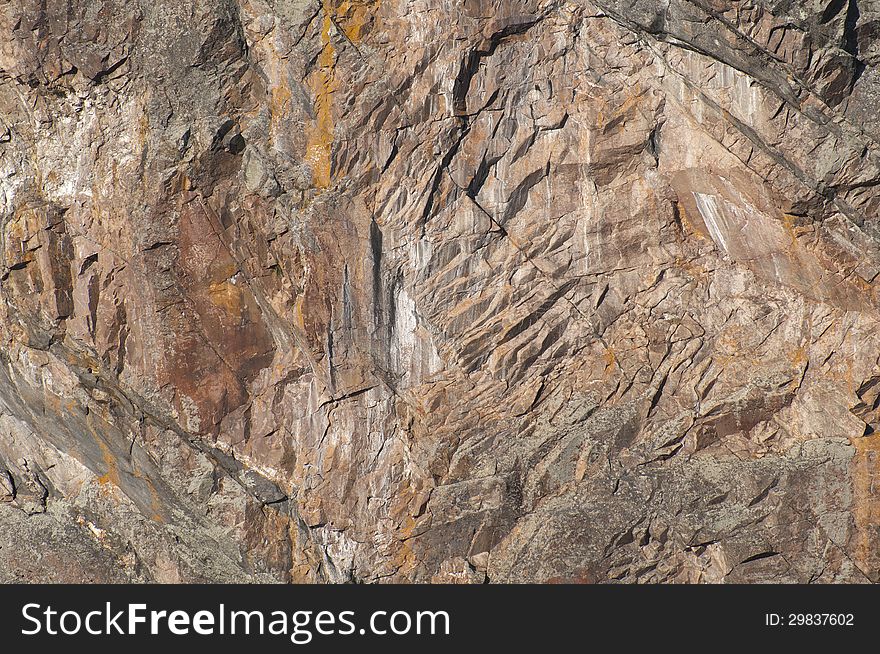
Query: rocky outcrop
{"points": [[469, 291]]}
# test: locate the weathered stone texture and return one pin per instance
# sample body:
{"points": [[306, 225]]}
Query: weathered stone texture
{"points": [[467, 291]]}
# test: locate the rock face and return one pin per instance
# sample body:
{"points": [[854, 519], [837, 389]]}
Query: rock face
{"points": [[461, 291]]}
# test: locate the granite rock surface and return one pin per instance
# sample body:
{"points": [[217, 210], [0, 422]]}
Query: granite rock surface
{"points": [[471, 291]]}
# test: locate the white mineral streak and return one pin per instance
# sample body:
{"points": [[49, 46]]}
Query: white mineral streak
{"points": [[421, 291]]}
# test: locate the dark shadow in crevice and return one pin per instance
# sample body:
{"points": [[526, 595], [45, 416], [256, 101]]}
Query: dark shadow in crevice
{"points": [[851, 39]]}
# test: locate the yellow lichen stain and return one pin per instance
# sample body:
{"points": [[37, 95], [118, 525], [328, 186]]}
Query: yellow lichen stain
{"points": [[112, 478], [279, 104], [687, 224], [403, 557], [866, 508], [793, 231], [112, 474], [298, 315], [789, 225], [354, 15], [799, 356], [729, 344], [351, 16], [15, 240], [610, 360], [226, 295], [862, 284], [323, 83]]}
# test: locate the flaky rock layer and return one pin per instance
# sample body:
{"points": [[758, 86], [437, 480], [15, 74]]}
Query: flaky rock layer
{"points": [[440, 291]]}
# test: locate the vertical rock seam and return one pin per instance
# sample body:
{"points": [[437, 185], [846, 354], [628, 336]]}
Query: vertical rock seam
{"points": [[476, 291]]}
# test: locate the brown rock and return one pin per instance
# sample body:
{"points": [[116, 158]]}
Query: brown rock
{"points": [[385, 291]]}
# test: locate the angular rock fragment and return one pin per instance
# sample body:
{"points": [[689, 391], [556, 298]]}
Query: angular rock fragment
{"points": [[452, 292]]}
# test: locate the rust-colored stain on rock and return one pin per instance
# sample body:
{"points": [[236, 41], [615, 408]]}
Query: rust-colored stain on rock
{"points": [[451, 292]]}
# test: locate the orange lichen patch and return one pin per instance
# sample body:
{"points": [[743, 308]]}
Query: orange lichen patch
{"points": [[861, 284], [323, 83], [354, 15], [610, 360], [866, 506], [15, 228], [351, 16], [112, 474], [790, 227], [227, 296], [404, 558], [17, 234], [799, 356], [687, 225], [112, 478], [298, 312]]}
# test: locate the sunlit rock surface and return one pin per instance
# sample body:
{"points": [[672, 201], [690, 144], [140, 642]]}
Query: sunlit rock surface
{"points": [[468, 291]]}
